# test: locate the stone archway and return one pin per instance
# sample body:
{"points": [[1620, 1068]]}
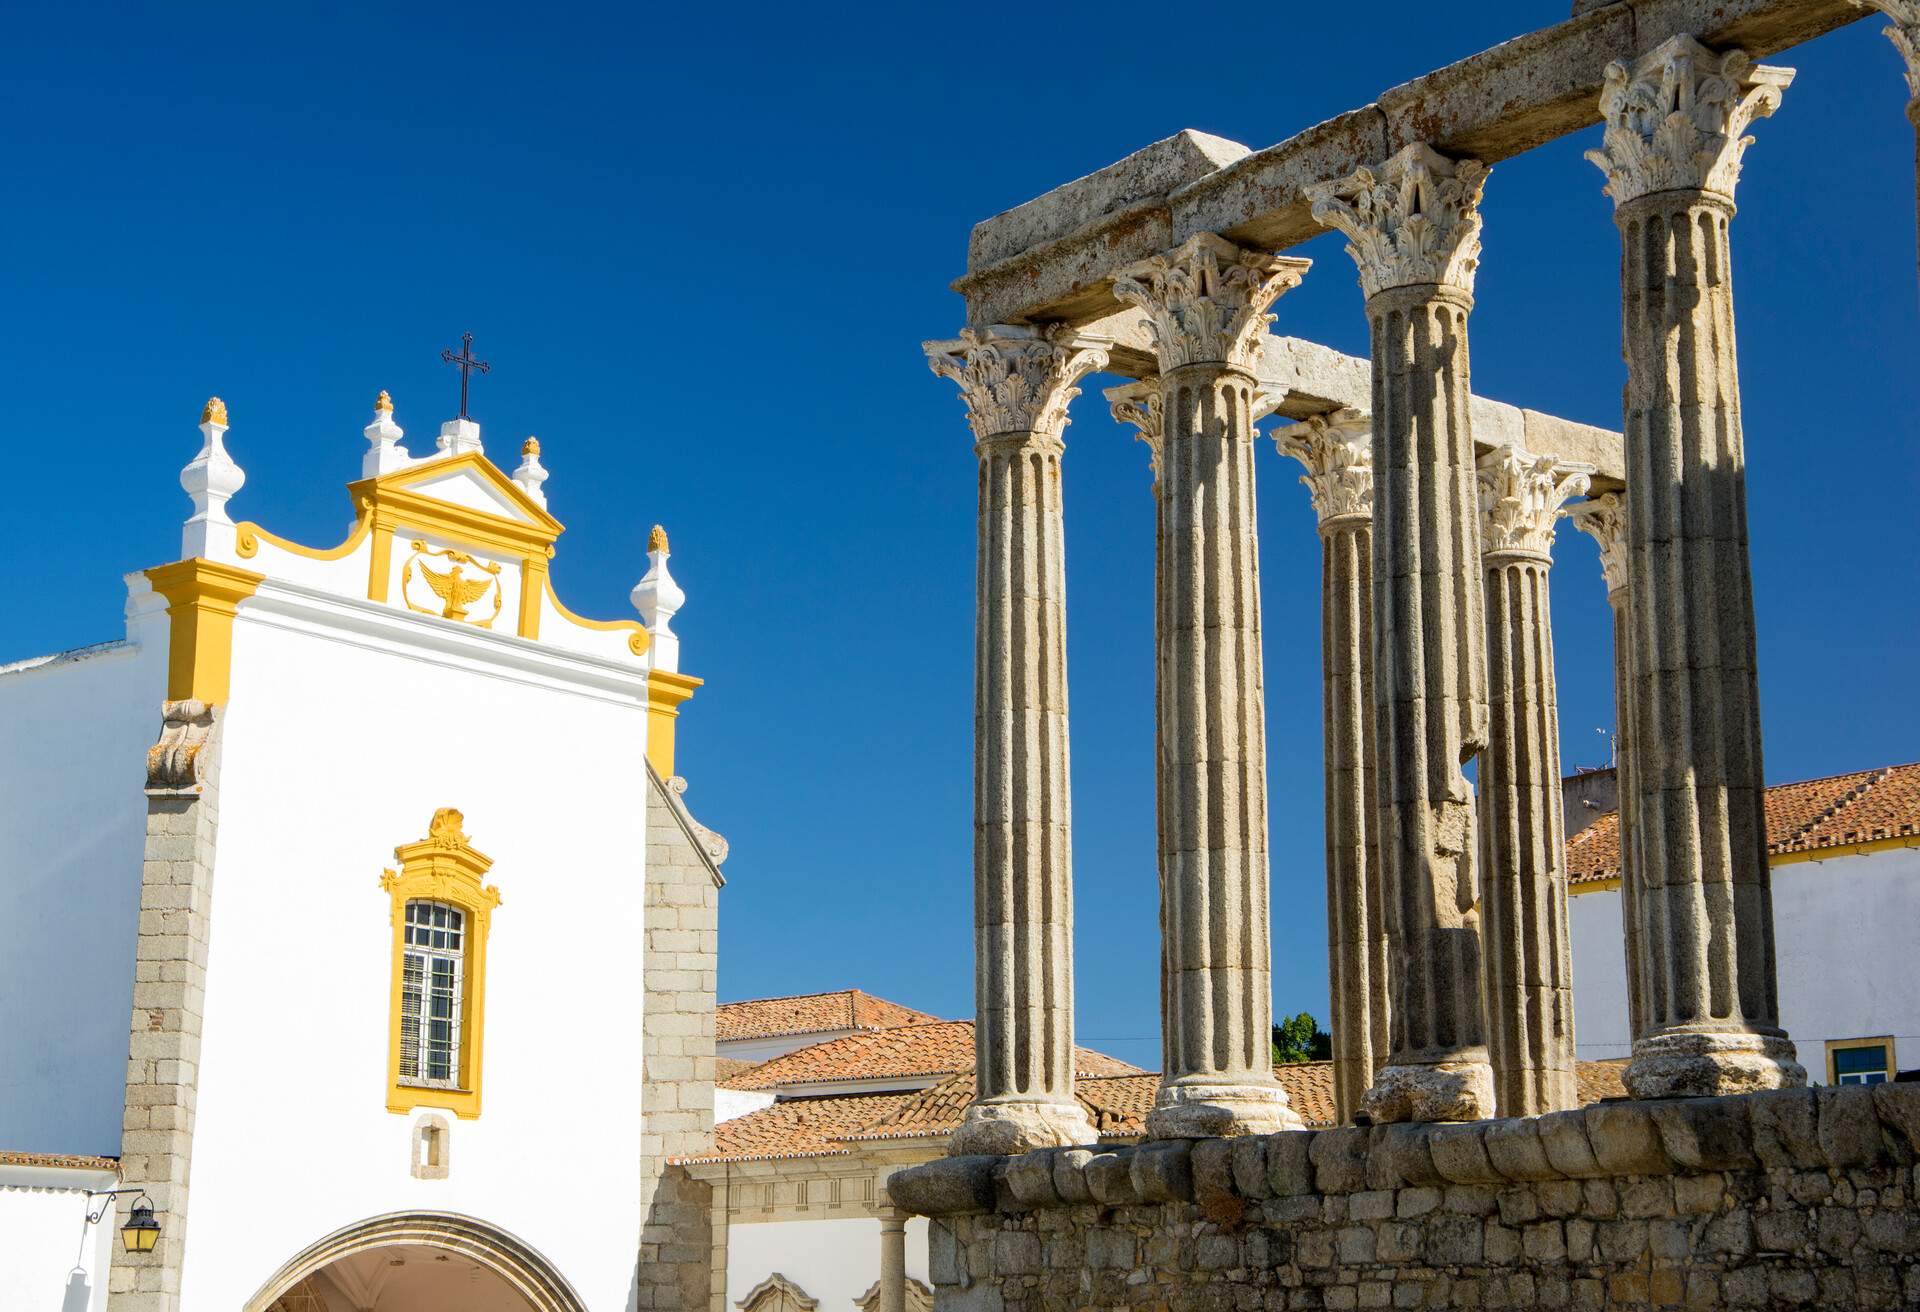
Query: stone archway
{"points": [[509, 1262]]}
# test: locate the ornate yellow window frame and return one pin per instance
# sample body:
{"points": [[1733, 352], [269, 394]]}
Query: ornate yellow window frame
{"points": [[1871, 1041], [442, 867]]}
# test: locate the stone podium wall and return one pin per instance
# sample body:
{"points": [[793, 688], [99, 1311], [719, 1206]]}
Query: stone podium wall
{"points": [[1791, 1199]]}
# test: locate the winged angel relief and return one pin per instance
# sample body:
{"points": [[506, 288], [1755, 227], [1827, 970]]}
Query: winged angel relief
{"points": [[456, 589]]}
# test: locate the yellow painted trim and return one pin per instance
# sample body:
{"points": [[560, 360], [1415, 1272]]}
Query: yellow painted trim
{"points": [[380, 567], [638, 639], [403, 480], [202, 599], [1879, 1041], [533, 590], [1847, 849], [1594, 886], [665, 693], [443, 867], [249, 535]]}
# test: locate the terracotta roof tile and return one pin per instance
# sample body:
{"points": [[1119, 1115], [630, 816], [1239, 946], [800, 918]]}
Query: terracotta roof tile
{"points": [[810, 1013], [904, 1052], [1863, 807], [1595, 1080], [727, 1069], [60, 1161], [798, 1127]]}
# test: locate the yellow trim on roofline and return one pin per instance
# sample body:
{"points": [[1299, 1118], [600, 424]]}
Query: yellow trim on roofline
{"points": [[202, 598], [1612, 882], [638, 639], [665, 693], [248, 535]]}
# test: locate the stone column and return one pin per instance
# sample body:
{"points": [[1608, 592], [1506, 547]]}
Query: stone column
{"points": [[1017, 383], [893, 1260], [1413, 225], [1206, 303], [1904, 32], [1523, 868], [1337, 450], [1674, 121], [1604, 519]]}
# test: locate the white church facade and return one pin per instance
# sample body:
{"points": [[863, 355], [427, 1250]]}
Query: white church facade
{"points": [[417, 1019]]}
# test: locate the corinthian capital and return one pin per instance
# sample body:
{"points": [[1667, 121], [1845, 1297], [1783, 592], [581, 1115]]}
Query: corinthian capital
{"points": [[1604, 519], [1337, 450], [1520, 498], [1674, 118], [1015, 380], [1206, 300], [1904, 32], [1139, 404], [1412, 220]]}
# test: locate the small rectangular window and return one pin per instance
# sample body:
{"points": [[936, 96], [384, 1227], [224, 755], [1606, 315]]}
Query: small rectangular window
{"points": [[1860, 1061]]}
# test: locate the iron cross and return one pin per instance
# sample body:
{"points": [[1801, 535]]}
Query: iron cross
{"points": [[467, 364]]}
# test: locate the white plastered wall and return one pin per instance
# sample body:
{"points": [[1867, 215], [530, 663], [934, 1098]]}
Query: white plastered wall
{"points": [[345, 731], [49, 1257], [833, 1261]]}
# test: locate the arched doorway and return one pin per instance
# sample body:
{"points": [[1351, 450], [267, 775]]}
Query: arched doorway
{"points": [[417, 1262]]}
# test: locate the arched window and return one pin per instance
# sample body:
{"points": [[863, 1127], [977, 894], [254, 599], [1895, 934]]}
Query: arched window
{"points": [[441, 911]]}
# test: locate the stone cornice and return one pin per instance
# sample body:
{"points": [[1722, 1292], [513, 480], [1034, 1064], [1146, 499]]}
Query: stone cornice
{"points": [[1604, 519], [1139, 404], [1675, 119], [1337, 450], [1904, 32], [1520, 499], [1206, 300], [1412, 220], [1016, 380]]}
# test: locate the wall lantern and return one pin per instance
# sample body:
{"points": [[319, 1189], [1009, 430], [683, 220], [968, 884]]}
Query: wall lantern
{"points": [[141, 1232]]}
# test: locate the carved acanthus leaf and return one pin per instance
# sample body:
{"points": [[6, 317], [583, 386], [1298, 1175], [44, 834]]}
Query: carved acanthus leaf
{"points": [[1016, 380], [1904, 32], [1604, 519], [1675, 118], [178, 762], [1337, 450], [1140, 404], [1410, 221], [1520, 498], [1207, 300]]}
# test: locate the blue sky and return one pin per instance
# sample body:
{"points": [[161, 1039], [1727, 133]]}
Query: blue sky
{"points": [[701, 248]]}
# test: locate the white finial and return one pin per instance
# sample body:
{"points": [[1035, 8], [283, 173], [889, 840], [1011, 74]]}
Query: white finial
{"points": [[658, 599], [209, 479], [384, 452], [531, 473], [459, 436]]}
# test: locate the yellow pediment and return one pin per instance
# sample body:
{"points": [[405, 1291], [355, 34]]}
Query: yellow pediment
{"points": [[464, 499]]}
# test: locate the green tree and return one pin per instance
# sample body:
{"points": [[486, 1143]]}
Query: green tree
{"points": [[1300, 1038]]}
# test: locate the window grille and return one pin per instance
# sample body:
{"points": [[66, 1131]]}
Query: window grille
{"points": [[433, 975]]}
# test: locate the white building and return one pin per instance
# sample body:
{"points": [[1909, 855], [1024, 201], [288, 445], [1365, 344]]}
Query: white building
{"points": [[1846, 897], [306, 818]]}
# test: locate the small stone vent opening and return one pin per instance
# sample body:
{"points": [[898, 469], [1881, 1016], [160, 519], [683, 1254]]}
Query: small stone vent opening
{"points": [[432, 1146]]}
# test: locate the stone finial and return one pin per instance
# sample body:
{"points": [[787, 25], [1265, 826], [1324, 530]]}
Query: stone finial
{"points": [[384, 452], [1139, 404], [1520, 498], [209, 480], [531, 473], [1604, 519], [1337, 450], [1410, 221], [1207, 300], [658, 599], [460, 436], [1674, 118], [1904, 32], [1016, 380]]}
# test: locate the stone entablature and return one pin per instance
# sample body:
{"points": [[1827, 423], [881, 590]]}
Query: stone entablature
{"points": [[1791, 1198]]}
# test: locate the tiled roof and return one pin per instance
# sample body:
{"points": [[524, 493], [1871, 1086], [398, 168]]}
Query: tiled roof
{"points": [[1840, 810], [1117, 1105], [60, 1161], [810, 1013], [904, 1052], [727, 1069]]}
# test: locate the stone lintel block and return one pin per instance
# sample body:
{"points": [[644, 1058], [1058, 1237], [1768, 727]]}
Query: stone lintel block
{"points": [[1249, 1154], [1760, 27], [1163, 1171], [1110, 1178], [1070, 1175], [1150, 173], [945, 1186], [1259, 200], [1625, 1140], [1029, 1178], [1850, 1131], [1401, 1155], [1898, 1106], [1460, 1154], [1290, 1168], [1070, 279], [1515, 1150], [1340, 1160], [1709, 1134]]}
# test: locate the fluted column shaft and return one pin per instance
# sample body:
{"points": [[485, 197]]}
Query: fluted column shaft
{"points": [[1336, 450], [1412, 225], [1206, 302], [1017, 388], [1704, 891], [1529, 962]]}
